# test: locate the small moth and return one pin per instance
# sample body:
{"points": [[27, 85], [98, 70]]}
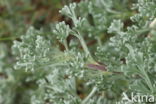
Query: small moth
{"points": [[97, 66], [102, 67]]}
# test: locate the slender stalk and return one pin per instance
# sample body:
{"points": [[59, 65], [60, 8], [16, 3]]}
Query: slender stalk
{"points": [[8, 38], [84, 46], [148, 81], [99, 41], [66, 45], [89, 96]]}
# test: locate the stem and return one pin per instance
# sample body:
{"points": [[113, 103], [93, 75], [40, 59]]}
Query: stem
{"points": [[53, 65], [148, 81], [90, 95], [66, 45], [7, 38], [84, 46], [99, 41]]}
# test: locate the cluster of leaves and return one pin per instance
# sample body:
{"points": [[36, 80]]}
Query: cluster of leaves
{"points": [[109, 49]]}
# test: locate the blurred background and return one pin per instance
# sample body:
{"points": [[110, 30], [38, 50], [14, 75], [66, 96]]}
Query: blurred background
{"points": [[17, 15]]}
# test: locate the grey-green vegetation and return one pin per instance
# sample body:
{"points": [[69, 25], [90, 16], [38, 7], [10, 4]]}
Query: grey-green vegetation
{"points": [[121, 60]]}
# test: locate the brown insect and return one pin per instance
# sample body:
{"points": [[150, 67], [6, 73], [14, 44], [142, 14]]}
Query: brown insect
{"points": [[97, 66], [102, 67]]}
